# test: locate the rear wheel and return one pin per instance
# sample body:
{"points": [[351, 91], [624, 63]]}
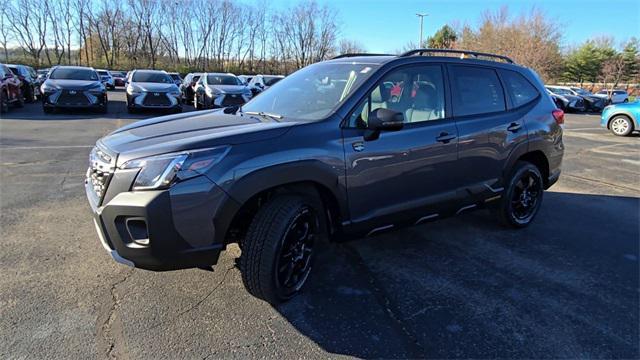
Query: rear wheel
{"points": [[522, 197], [621, 125], [4, 102], [278, 249]]}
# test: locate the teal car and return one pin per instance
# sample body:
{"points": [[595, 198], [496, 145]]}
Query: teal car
{"points": [[621, 119]]}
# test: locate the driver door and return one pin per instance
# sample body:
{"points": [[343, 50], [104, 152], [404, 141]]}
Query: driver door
{"points": [[406, 173]]}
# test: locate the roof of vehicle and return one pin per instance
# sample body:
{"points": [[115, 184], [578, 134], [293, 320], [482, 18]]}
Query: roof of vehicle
{"points": [[215, 73], [561, 87], [72, 67], [449, 55], [150, 71], [174, 73]]}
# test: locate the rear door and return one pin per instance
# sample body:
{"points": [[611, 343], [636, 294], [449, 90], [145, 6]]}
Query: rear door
{"points": [[403, 170], [487, 131]]}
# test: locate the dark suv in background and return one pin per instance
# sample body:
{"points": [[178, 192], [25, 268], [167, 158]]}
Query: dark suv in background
{"points": [[327, 153], [27, 76]]}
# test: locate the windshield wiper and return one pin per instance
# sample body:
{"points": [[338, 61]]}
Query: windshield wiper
{"points": [[264, 114]]}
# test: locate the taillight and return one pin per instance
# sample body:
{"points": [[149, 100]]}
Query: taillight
{"points": [[559, 116]]}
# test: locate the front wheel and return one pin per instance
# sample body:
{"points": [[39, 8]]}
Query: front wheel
{"points": [[621, 125], [522, 197], [279, 246]]}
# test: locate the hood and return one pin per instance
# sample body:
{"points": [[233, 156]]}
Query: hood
{"points": [[188, 131], [72, 84], [230, 89], [148, 87]]}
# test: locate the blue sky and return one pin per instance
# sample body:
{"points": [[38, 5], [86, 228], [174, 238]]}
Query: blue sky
{"points": [[387, 25]]}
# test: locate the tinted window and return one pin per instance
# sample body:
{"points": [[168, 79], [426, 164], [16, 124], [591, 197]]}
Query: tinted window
{"points": [[103, 73], [222, 80], [476, 91], [416, 92], [619, 92], [73, 74], [519, 88], [175, 76], [14, 71], [152, 77], [271, 80]]}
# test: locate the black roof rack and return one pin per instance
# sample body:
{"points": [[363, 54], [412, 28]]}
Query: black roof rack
{"points": [[475, 54], [357, 54]]}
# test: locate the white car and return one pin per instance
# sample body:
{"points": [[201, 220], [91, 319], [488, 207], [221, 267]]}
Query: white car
{"points": [[260, 83], [616, 96], [107, 79]]}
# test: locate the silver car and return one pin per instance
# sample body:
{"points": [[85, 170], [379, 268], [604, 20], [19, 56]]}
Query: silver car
{"points": [[152, 89], [215, 90]]}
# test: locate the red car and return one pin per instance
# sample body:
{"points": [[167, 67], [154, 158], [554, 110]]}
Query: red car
{"points": [[10, 89]]}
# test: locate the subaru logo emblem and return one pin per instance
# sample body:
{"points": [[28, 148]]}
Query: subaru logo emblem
{"points": [[72, 92]]}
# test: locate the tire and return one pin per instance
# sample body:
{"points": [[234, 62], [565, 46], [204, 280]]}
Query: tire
{"points": [[274, 265], [19, 102], [28, 95], [516, 208], [4, 102], [621, 125]]}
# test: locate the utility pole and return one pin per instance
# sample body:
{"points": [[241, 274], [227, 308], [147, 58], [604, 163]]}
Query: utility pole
{"points": [[421, 16]]}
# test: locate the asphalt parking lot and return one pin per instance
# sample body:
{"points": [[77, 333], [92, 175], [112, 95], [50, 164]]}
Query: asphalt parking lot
{"points": [[566, 287]]}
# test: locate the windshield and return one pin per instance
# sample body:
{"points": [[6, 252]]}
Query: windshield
{"points": [[175, 76], [317, 90], [103, 73], [151, 77], [73, 74], [117, 74], [560, 91], [222, 80], [581, 91], [271, 80]]}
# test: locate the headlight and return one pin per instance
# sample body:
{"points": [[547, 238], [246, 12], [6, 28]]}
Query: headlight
{"points": [[46, 88], [132, 90], [212, 91], [159, 172], [99, 87]]}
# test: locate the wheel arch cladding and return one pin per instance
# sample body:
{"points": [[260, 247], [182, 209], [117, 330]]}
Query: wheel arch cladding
{"points": [[539, 159], [249, 207]]}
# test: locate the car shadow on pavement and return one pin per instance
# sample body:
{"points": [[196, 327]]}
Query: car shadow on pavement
{"points": [[567, 286]]}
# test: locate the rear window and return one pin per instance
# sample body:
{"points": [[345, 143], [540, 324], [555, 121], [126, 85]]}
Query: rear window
{"points": [[476, 90], [518, 87]]}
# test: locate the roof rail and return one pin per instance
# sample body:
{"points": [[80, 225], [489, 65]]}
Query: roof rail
{"points": [[357, 54], [475, 54]]}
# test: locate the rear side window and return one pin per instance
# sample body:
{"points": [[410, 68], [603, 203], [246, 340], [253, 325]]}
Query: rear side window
{"points": [[476, 90], [518, 87]]}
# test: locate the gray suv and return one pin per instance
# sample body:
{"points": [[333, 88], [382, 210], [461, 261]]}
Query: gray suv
{"points": [[353, 146]]}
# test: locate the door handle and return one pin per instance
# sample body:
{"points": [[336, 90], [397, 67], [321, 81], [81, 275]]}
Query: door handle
{"points": [[514, 127], [445, 137]]}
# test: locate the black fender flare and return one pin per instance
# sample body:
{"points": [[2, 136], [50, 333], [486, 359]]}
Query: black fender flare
{"points": [[256, 181]]}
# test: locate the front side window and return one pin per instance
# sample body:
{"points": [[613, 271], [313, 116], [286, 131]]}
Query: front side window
{"points": [[73, 74], [313, 92], [519, 88], [416, 92], [476, 90], [151, 77]]}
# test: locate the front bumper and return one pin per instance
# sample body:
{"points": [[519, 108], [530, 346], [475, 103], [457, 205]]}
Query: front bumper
{"points": [[137, 101], [93, 100], [160, 230], [225, 99]]}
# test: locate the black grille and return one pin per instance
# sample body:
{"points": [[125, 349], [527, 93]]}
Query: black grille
{"points": [[156, 99], [230, 100], [72, 97], [101, 167]]}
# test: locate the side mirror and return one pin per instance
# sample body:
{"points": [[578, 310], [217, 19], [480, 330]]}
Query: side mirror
{"points": [[383, 120]]}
